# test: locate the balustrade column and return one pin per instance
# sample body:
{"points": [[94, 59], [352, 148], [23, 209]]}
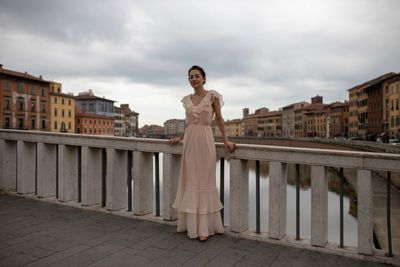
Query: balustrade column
{"points": [[277, 199], [91, 176], [239, 195], [171, 171], [46, 170], [365, 212], [117, 193], [143, 195], [26, 154], [8, 172], [319, 206], [67, 173]]}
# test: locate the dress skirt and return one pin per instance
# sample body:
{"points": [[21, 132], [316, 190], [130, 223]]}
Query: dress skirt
{"points": [[197, 199]]}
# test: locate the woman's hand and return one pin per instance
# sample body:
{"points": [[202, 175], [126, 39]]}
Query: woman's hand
{"points": [[229, 146], [173, 141]]}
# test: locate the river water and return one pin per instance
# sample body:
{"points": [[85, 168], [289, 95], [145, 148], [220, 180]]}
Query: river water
{"points": [[349, 203]]}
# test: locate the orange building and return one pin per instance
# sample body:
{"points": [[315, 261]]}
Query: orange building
{"points": [[95, 124], [338, 119], [24, 101]]}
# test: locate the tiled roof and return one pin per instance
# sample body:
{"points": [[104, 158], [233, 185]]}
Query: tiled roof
{"points": [[233, 121], [92, 97], [22, 75], [375, 81]]}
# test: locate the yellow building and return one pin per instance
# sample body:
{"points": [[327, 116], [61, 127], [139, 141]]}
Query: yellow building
{"points": [[270, 124], [62, 110], [233, 127], [393, 107]]}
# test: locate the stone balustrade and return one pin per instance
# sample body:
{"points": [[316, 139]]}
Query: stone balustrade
{"points": [[96, 168]]}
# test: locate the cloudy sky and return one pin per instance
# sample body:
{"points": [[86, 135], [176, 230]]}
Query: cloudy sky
{"points": [[256, 53]]}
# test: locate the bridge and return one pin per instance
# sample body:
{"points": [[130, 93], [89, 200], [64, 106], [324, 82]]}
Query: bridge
{"points": [[95, 173]]}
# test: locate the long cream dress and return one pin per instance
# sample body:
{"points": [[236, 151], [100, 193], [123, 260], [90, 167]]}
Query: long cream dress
{"points": [[197, 199]]}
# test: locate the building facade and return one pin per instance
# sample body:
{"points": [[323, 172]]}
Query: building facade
{"points": [[269, 124], [88, 103], [233, 127], [131, 120], [338, 120], [174, 127], [288, 119], [393, 107], [62, 110], [119, 122], [94, 124], [24, 101]]}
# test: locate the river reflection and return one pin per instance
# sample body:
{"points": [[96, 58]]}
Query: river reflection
{"points": [[349, 202]]}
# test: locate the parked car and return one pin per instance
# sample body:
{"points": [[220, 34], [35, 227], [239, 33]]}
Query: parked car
{"points": [[395, 142]]}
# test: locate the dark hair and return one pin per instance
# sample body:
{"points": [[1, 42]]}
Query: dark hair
{"points": [[202, 72]]}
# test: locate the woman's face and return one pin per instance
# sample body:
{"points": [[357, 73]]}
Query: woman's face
{"points": [[195, 79]]}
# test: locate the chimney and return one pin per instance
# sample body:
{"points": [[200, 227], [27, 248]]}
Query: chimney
{"points": [[40, 77]]}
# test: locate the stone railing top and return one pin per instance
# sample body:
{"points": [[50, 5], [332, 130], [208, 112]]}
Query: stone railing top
{"points": [[308, 156]]}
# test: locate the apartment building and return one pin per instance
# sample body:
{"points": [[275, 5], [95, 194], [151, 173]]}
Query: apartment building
{"points": [[62, 110], [24, 101], [393, 85], [288, 118]]}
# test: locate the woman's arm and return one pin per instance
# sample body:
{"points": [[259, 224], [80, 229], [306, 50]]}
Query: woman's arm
{"points": [[220, 122], [177, 139]]}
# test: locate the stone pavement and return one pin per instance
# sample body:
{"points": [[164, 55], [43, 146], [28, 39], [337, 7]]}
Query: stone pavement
{"points": [[38, 233]]}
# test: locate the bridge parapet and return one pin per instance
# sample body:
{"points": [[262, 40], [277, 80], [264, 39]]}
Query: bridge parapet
{"points": [[98, 170]]}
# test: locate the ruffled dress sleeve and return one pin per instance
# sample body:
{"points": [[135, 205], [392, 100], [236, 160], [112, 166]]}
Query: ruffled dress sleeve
{"points": [[215, 96], [185, 101]]}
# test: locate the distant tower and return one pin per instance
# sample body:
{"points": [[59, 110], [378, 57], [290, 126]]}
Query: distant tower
{"points": [[245, 112], [316, 100]]}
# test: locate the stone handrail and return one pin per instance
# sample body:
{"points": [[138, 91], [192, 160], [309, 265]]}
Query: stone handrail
{"points": [[39, 162]]}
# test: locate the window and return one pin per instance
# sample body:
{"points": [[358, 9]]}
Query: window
{"points": [[43, 106], [32, 89], [43, 124], [33, 105], [62, 101], [84, 107], [52, 88], [6, 103], [43, 91], [392, 106], [20, 104], [69, 125], [91, 107], [62, 113], [55, 112], [33, 124], [90, 122], [7, 122], [20, 87], [79, 121], [392, 121], [58, 89], [69, 102], [55, 125], [397, 104], [20, 123], [55, 100], [7, 85], [69, 113]]}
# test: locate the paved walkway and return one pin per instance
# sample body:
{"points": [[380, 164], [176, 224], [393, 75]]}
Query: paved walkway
{"points": [[37, 233]]}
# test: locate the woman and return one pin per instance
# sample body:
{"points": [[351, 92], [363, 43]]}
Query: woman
{"points": [[197, 199]]}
